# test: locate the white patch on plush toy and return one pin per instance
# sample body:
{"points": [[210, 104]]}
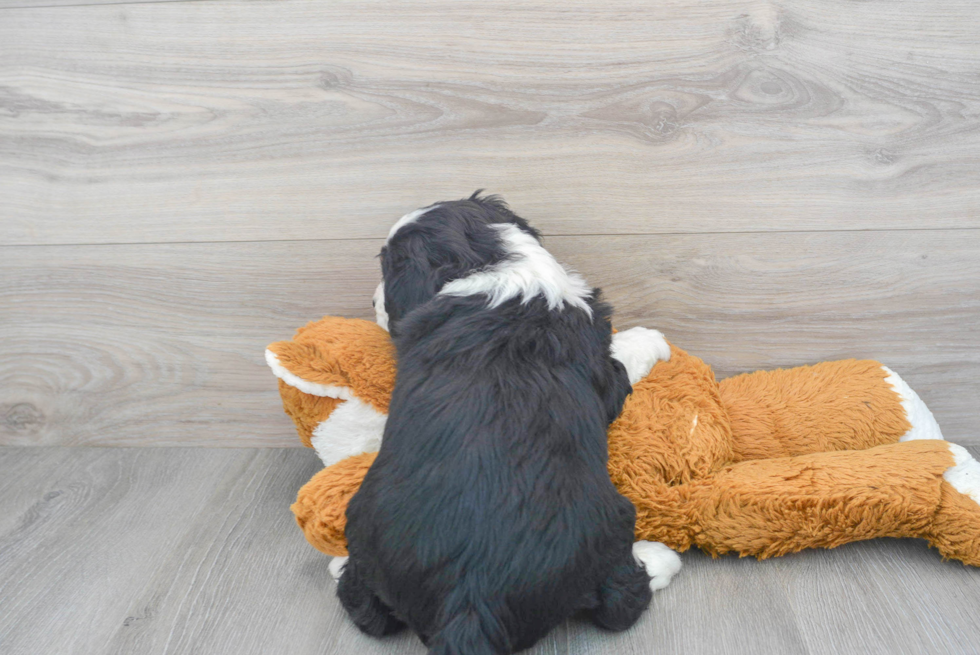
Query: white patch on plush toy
{"points": [[354, 427], [639, 349], [380, 313], [312, 388], [528, 272], [336, 567], [660, 562], [965, 475], [924, 424], [410, 217]]}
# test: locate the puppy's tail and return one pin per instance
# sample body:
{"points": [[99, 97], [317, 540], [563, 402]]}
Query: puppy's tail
{"points": [[468, 634]]}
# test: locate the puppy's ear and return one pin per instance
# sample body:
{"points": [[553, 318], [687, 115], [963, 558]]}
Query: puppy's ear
{"points": [[411, 287], [409, 278], [421, 257]]}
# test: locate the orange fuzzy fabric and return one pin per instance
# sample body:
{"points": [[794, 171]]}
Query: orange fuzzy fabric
{"points": [[321, 506], [954, 532], [761, 464], [353, 354], [843, 405], [769, 507], [307, 411]]}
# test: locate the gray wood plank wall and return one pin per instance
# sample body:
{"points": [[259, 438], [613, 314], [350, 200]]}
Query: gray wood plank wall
{"points": [[770, 183]]}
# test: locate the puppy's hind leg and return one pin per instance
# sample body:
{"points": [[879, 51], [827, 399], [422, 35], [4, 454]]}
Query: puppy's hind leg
{"points": [[623, 596], [366, 610], [628, 590]]}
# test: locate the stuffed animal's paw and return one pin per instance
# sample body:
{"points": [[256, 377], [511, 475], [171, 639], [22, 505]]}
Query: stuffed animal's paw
{"points": [[639, 349], [660, 562], [956, 526], [965, 474]]}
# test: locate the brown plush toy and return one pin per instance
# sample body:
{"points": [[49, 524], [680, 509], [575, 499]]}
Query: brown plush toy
{"points": [[761, 464]]}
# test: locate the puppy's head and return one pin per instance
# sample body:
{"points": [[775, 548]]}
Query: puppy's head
{"points": [[437, 244]]}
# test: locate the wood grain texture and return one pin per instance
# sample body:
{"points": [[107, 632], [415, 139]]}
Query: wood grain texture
{"points": [[170, 550], [213, 121], [48, 4], [163, 344], [160, 550], [99, 523], [884, 578], [881, 597]]}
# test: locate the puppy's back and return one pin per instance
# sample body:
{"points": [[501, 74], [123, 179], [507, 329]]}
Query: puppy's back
{"points": [[489, 516]]}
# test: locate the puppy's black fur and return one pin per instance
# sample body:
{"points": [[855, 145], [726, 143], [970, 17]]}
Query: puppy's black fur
{"points": [[489, 516]]}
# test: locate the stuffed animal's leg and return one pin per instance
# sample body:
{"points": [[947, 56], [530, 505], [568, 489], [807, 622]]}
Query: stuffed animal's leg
{"points": [[956, 528], [845, 405], [925, 488], [321, 505]]}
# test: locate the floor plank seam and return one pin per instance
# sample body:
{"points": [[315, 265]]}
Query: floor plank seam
{"points": [[545, 235]]}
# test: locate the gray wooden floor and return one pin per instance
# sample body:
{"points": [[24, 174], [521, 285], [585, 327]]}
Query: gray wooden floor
{"points": [[194, 550]]}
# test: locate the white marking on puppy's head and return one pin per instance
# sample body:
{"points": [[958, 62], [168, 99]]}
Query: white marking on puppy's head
{"points": [[380, 314], [528, 271], [410, 217]]}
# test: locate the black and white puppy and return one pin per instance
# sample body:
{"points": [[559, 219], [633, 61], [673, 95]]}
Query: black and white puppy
{"points": [[488, 516]]}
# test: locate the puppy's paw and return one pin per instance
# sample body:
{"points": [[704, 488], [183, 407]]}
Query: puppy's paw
{"points": [[660, 562], [336, 567], [639, 349]]}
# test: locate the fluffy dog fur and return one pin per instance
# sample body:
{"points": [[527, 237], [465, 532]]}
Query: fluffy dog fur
{"points": [[489, 516]]}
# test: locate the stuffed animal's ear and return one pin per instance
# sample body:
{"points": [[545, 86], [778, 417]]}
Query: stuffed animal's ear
{"points": [[306, 410], [335, 379], [339, 358], [309, 369]]}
